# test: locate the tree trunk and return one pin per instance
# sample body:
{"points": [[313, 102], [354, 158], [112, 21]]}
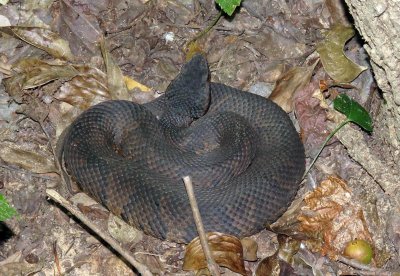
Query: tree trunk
{"points": [[378, 23]]}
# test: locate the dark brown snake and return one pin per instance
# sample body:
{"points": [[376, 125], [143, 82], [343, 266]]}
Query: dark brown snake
{"points": [[242, 152]]}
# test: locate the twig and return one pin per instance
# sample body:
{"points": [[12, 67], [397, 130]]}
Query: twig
{"points": [[212, 265], [324, 144], [56, 259], [365, 269], [142, 269]]}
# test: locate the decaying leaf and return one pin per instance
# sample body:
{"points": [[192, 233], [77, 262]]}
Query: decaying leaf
{"points": [[29, 73], [338, 66], [46, 40], [86, 89], [115, 79], [250, 247], [226, 251], [123, 232], [152, 262], [291, 81], [331, 218], [20, 268], [279, 263], [26, 158]]}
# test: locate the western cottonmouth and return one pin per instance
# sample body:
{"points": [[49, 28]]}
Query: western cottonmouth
{"points": [[241, 150]]}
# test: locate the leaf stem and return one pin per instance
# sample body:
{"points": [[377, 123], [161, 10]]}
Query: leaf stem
{"points": [[206, 30], [324, 144]]}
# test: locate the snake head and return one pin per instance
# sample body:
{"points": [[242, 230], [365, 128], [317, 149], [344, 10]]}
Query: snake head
{"points": [[188, 96]]}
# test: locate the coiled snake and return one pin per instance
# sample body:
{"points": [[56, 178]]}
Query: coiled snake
{"points": [[241, 150]]}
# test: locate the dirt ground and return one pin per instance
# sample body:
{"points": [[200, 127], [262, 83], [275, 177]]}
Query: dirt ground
{"points": [[265, 47]]}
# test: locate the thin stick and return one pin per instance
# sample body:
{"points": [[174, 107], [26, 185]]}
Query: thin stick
{"points": [[212, 265], [142, 269], [324, 144], [366, 269]]}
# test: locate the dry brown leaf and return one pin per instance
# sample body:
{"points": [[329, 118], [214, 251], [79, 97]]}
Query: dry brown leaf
{"points": [[291, 81], [273, 266], [115, 79], [31, 72], [36, 110], [27, 158], [331, 218], [46, 40], [86, 89], [151, 261], [226, 250], [280, 262], [20, 268], [250, 248]]}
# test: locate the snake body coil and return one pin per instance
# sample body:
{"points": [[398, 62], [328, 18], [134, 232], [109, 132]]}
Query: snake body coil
{"points": [[241, 150]]}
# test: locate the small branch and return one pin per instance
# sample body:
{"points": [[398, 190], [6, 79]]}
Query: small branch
{"points": [[212, 265], [142, 269], [366, 269]]}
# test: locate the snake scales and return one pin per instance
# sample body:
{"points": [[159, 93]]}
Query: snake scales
{"points": [[241, 150]]}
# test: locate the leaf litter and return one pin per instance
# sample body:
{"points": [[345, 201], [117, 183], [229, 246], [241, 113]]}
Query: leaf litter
{"points": [[71, 72]]}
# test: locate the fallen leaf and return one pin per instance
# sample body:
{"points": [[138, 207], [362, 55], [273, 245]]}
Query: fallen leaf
{"points": [[20, 268], [123, 232], [290, 82], [151, 261], [226, 250], [46, 40], [281, 262], [86, 89], [338, 66], [27, 158], [132, 84], [250, 248], [115, 80], [29, 73], [81, 29], [331, 218]]}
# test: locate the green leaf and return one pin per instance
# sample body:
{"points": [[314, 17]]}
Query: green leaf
{"points": [[6, 211], [338, 66], [353, 111], [228, 6]]}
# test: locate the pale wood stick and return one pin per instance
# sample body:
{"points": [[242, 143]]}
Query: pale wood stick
{"points": [[142, 269], [211, 264]]}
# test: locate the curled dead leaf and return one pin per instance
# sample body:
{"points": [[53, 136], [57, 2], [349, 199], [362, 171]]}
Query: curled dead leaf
{"points": [[226, 250], [338, 66], [280, 263], [115, 80], [291, 81]]}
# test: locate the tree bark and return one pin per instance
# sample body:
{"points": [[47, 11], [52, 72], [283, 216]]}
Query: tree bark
{"points": [[378, 23]]}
